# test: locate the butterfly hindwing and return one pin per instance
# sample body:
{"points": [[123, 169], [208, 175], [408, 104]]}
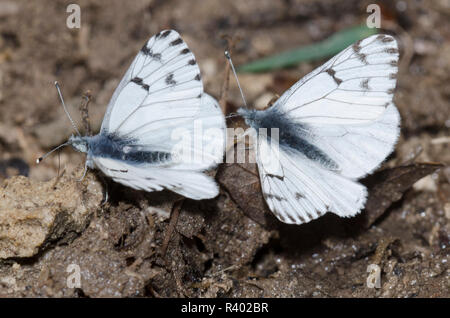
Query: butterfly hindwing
{"points": [[205, 136], [191, 184], [358, 149], [304, 190]]}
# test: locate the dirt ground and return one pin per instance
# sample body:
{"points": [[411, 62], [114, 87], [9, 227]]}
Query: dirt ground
{"points": [[230, 246]]}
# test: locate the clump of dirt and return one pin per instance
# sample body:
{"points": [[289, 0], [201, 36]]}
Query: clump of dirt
{"points": [[229, 246], [33, 214]]}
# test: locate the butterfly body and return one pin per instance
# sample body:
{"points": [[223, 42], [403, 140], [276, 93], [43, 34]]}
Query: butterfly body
{"points": [[292, 136], [117, 148]]}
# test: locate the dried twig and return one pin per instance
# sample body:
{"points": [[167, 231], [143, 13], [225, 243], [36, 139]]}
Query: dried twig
{"points": [[85, 112], [172, 224]]}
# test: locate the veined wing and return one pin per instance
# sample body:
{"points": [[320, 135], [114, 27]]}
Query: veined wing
{"points": [[161, 90], [303, 190], [191, 184], [354, 87]]}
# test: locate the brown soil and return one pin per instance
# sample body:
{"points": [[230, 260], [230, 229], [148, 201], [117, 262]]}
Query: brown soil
{"points": [[220, 248]]}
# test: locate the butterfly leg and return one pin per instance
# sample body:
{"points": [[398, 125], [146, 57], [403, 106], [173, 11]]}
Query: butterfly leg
{"points": [[84, 172], [105, 184], [105, 200]]}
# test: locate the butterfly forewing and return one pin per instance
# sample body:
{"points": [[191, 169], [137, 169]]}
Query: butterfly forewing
{"points": [[163, 83], [353, 87]]}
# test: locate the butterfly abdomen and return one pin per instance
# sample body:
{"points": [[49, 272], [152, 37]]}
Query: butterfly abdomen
{"points": [[116, 147], [292, 136]]}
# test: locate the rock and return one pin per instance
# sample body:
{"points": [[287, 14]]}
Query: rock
{"points": [[34, 214]]}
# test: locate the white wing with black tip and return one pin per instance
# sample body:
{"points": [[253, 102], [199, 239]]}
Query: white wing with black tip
{"points": [[347, 105], [354, 87], [161, 90]]}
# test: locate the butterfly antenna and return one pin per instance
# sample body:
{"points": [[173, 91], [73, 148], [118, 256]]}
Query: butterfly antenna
{"points": [[227, 55], [65, 108], [38, 160]]}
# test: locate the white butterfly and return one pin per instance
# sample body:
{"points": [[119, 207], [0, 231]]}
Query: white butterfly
{"points": [[162, 92], [336, 125]]}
